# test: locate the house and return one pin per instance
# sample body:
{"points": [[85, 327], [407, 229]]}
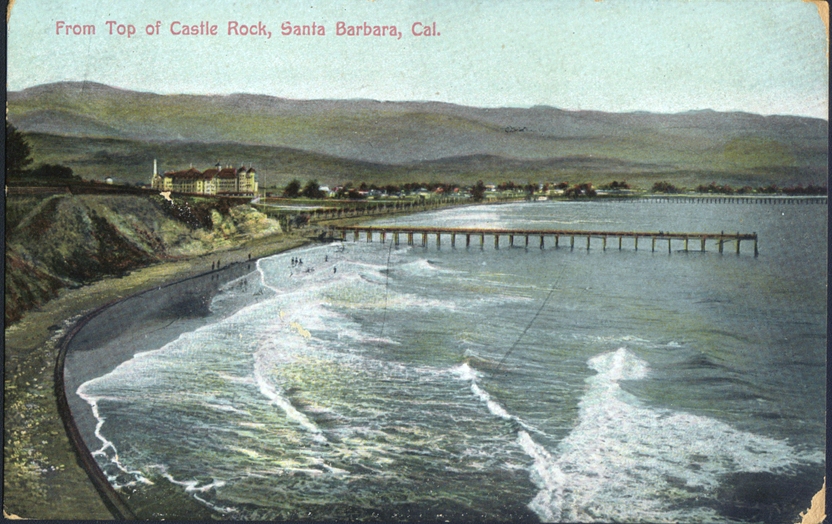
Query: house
{"points": [[217, 180]]}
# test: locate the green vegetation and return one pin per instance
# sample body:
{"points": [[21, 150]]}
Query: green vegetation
{"points": [[615, 186], [130, 162], [312, 190], [725, 189], [478, 191], [67, 241], [754, 152], [101, 132], [18, 152], [19, 158], [292, 189], [584, 190], [665, 187]]}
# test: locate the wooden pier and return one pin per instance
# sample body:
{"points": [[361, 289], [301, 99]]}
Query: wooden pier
{"points": [[522, 237]]}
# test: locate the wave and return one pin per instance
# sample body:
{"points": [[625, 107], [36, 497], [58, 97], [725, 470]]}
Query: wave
{"points": [[468, 374], [108, 453], [192, 487], [424, 267], [624, 461], [283, 403]]}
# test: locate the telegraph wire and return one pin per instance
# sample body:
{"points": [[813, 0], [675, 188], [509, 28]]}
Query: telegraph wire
{"points": [[537, 314]]}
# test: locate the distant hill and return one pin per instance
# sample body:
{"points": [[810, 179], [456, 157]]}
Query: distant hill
{"points": [[98, 128]]}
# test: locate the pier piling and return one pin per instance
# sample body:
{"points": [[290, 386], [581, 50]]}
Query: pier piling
{"points": [[721, 238]]}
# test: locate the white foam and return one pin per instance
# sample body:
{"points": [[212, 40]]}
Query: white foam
{"points": [[283, 403], [423, 267], [226, 408], [108, 450], [193, 487], [627, 462], [466, 373]]}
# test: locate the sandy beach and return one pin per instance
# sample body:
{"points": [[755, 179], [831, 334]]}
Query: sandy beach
{"points": [[43, 477]]}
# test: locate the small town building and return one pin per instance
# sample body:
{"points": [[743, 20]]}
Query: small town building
{"points": [[217, 180]]}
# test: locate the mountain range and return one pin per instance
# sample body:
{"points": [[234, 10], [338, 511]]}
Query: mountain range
{"points": [[100, 130]]}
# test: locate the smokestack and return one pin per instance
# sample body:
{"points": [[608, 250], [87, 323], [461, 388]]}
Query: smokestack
{"points": [[154, 168]]}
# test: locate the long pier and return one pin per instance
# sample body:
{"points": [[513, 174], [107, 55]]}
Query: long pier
{"points": [[522, 237]]}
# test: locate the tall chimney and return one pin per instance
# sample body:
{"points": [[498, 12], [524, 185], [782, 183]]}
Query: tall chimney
{"points": [[154, 168]]}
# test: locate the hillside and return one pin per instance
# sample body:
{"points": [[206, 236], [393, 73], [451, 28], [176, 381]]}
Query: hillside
{"points": [[67, 241], [96, 128]]}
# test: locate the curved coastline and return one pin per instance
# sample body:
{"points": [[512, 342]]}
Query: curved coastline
{"points": [[114, 333], [63, 488], [108, 494]]}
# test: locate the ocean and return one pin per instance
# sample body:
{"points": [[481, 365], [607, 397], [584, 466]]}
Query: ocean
{"points": [[367, 381]]}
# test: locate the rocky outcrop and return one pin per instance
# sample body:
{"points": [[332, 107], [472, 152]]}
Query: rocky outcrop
{"points": [[67, 240]]}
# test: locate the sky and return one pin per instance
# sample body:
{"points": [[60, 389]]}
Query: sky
{"points": [[759, 56]]}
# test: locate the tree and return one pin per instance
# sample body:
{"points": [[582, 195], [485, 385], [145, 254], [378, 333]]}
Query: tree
{"points": [[18, 152], [665, 187], [53, 173], [616, 185], [531, 188], [292, 190], [581, 190], [478, 191], [312, 190], [714, 188]]}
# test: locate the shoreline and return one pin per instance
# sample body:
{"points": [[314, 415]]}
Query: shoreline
{"points": [[93, 349], [206, 258], [44, 479]]}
